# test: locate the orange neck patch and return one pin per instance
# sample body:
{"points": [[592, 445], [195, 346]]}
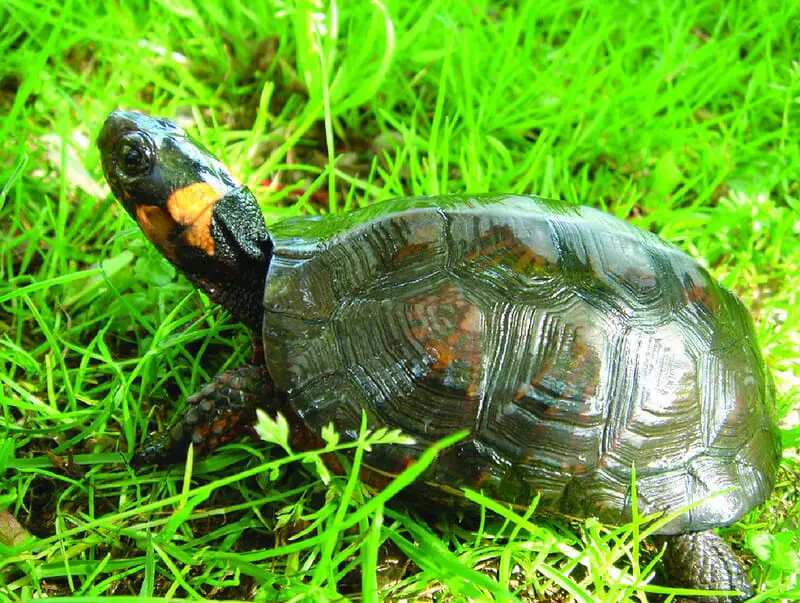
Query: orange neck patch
{"points": [[189, 210], [190, 206], [156, 225]]}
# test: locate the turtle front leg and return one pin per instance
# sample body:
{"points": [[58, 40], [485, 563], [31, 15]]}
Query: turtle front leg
{"points": [[222, 411], [704, 561]]}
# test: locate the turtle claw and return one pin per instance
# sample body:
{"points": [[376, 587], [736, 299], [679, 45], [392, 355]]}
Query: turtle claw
{"points": [[221, 412], [160, 449]]}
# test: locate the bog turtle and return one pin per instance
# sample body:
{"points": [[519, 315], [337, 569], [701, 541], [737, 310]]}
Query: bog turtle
{"points": [[572, 345]]}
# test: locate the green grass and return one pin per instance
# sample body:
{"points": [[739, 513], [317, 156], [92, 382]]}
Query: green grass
{"points": [[680, 117]]}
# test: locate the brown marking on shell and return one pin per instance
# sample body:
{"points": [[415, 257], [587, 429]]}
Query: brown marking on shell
{"points": [[407, 461], [508, 251], [586, 363], [461, 341], [446, 352], [526, 258], [552, 411], [539, 431], [419, 333], [471, 321], [472, 388], [190, 206], [545, 369], [481, 479], [538, 262], [442, 354], [573, 467], [509, 242], [470, 325], [410, 252], [487, 257], [700, 294], [640, 278], [584, 366]]}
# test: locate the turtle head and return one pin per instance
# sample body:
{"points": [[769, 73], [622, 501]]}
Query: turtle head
{"points": [[190, 208]]}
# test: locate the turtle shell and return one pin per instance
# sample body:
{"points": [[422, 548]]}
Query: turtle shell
{"points": [[571, 345]]}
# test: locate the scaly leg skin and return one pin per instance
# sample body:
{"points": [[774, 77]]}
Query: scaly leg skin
{"points": [[222, 411], [704, 561]]}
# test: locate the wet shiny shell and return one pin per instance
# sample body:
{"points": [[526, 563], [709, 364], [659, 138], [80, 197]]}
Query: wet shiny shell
{"points": [[570, 344]]}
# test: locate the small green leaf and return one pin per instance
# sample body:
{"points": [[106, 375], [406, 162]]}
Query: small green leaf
{"points": [[274, 430], [760, 543], [780, 550], [329, 435], [322, 470], [391, 436], [155, 270]]}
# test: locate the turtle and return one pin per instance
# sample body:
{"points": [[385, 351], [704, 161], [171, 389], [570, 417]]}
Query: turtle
{"points": [[572, 346]]}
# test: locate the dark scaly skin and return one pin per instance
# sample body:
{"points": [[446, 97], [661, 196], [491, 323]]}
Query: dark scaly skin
{"points": [[212, 229], [222, 411], [704, 560]]}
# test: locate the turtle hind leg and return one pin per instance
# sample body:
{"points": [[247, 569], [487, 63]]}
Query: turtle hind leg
{"points": [[704, 561], [222, 411]]}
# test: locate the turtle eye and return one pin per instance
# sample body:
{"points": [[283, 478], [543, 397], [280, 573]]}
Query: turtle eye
{"points": [[135, 154]]}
